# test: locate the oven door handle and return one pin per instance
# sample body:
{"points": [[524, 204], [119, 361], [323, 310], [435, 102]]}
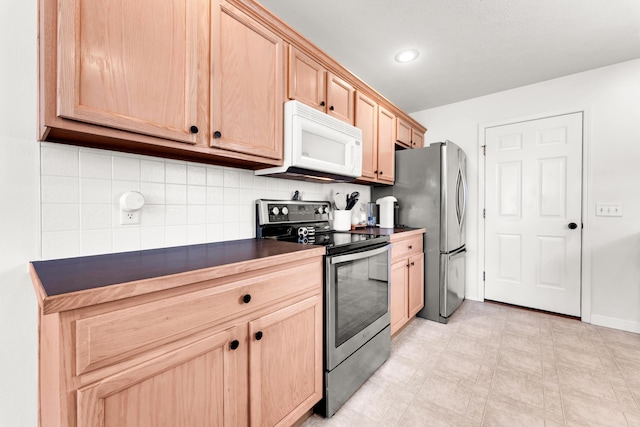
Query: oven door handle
{"points": [[358, 255]]}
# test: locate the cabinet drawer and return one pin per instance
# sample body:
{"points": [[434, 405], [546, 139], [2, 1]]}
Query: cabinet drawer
{"points": [[111, 337], [405, 247]]}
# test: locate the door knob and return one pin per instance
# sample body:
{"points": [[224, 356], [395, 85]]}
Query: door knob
{"points": [[573, 225]]}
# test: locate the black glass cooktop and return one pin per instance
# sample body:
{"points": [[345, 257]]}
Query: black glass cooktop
{"points": [[336, 241]]}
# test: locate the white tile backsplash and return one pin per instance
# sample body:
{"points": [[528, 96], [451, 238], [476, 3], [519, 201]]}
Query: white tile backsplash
{"points": [[185, 203]]}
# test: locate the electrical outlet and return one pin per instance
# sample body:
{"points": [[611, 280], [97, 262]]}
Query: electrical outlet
{"points": [[608, 209], [129, 218]]}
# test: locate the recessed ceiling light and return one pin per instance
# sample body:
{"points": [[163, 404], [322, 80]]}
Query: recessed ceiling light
{"points": [[407, 55]]}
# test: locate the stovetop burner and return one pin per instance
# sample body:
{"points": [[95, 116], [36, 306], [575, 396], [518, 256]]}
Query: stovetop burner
{"points": [[281, 220]]}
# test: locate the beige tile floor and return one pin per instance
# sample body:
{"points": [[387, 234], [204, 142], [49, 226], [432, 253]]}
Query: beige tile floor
{"points": [[496, 365]]}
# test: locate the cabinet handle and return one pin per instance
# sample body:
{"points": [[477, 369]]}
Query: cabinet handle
{"points": [[322, 104], [331, 108], [194, 129], [246, 298], [217, 134], [259, 335], [234, 344]]}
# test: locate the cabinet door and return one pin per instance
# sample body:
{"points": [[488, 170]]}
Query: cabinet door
{"points": [[285, 370], [340, 96], [403, 132], [306, 80], [399, 300], [417, 139], [416, 284], [386, 145], [196, 385], [367, 121], [133, 65], [248, 85]]}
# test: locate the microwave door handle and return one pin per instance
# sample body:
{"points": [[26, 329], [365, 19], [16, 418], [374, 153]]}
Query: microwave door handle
{"points": [[359, 255]]}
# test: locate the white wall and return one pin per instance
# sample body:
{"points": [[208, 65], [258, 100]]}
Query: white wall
{"points": [[611, 96], [19, 207]]}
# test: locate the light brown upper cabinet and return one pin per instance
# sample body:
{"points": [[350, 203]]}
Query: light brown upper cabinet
{"points": [[311, 83], [408, 136], [196, 80], [378, 139], [248, 85], [119, 67]]}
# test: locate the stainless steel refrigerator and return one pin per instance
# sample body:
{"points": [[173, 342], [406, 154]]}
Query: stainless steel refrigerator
{"points": [[431, 188]]}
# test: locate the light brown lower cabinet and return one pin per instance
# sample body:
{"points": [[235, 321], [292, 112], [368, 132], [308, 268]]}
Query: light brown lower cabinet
{"points": [[231, 351], [407, 280]]}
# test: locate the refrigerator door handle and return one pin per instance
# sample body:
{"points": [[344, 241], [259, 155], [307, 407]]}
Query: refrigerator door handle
{"points": [[457, 254], [464, 187], [459, 212]]}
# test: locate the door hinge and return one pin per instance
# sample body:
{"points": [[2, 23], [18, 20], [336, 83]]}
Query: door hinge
{"points": [[484, 213], [483, 276], [484, 150]]}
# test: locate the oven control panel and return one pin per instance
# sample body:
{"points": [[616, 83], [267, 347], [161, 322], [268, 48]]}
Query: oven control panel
{"points": [[274, 211]]}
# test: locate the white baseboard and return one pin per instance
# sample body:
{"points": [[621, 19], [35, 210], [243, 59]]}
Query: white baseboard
{"points": [[615, 323]]}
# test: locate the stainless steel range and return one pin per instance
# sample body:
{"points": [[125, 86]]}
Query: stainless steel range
{"points": [[357, 337]]}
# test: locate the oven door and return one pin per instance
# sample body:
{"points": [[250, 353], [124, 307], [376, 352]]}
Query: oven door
{"points": [[357, 301]]}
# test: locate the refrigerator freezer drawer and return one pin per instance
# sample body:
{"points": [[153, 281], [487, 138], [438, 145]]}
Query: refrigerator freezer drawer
{"points": [[451, 281]]}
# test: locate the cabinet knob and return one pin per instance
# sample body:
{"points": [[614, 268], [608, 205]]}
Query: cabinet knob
{"points": [[259, 335], [234, 344], [246, 298], [217, 134], [376, 172], [413, 263], [410, 246], [331, 108], [381, 173], [322, 104], [193, 129]]}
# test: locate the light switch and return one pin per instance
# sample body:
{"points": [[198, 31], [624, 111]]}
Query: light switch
{"points": [[608, 209]]}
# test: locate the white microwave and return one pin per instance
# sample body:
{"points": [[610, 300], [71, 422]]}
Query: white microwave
{"points": [[317, 146]]}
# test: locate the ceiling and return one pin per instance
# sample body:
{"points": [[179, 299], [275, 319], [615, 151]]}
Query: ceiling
{"points": [[468, 48]]}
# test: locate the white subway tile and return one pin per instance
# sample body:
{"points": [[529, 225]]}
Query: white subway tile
{"points": [[93, 217], [95, 190], [175, 173], [196, 175], [215, 177], [126, 239], [231, 231], [153, 193], [246, 230], [232, 178], [60, 217], [215, 232], [231, 213], [215, 195], [176, 235], [95, 165], [175, 194], [196, 195], [152, 215], [215, 214], [60, 244], [196, 234], [197, 214], [152, 237], [151, 171], [59, 160], [94, 242], [126, 168], [60, 189], [176, 215]]}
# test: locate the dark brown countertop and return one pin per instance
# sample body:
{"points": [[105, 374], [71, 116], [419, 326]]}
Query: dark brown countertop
{"points": [[63, 276]]}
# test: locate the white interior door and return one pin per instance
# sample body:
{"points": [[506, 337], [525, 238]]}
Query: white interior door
{"points": [[533, 199]]}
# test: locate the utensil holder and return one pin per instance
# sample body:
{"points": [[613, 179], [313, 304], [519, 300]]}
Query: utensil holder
{"points": [[341, 220]]}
